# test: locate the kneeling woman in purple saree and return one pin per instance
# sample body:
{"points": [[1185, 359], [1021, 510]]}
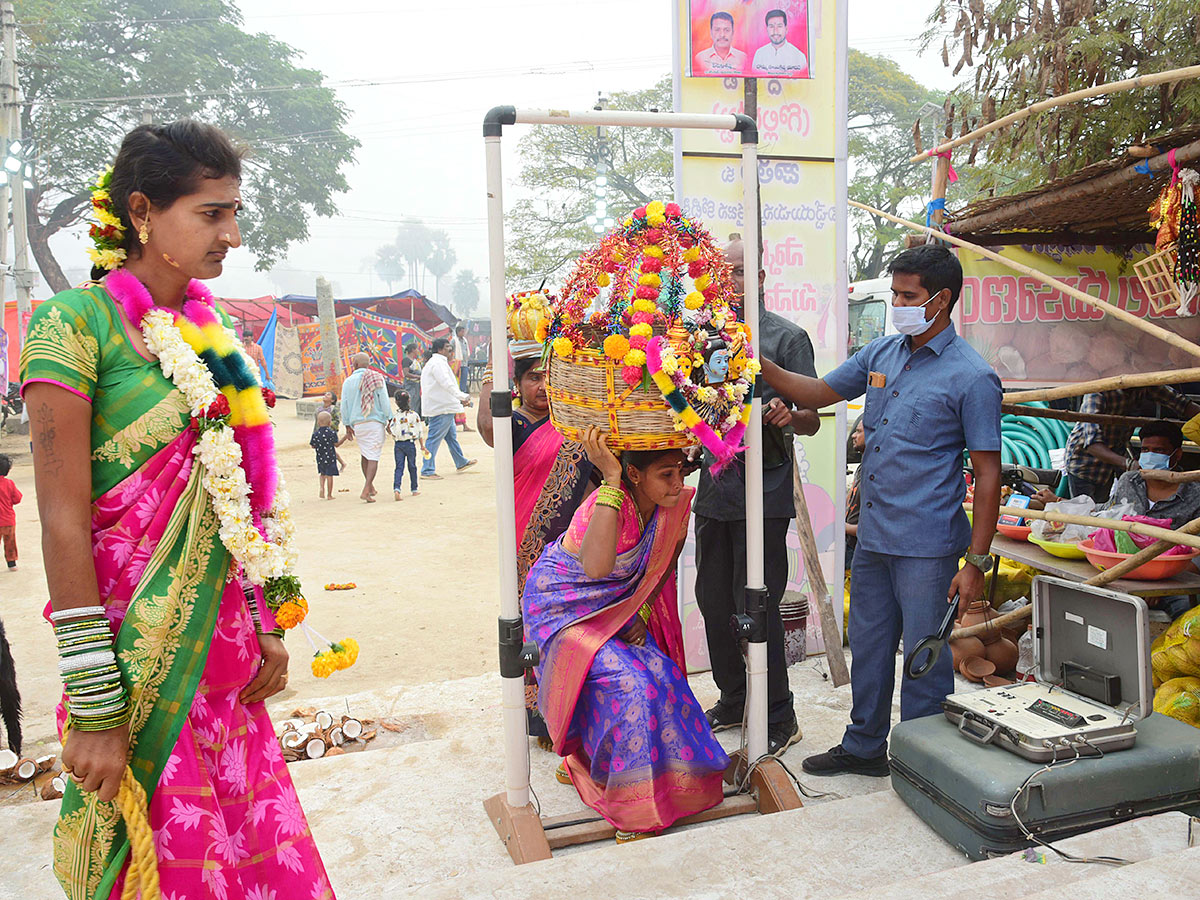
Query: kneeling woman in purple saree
{"points": [[601, 605]]}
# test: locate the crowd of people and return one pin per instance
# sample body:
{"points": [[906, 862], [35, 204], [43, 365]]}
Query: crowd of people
{"points": [[598, 536]]}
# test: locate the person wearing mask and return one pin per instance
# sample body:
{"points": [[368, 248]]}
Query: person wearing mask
{"points": [[721, 534], [442, 401], [929, 396], [1097, 454]]}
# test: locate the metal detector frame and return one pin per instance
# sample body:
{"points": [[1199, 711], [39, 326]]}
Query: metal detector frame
{"points": [[511, 811]]}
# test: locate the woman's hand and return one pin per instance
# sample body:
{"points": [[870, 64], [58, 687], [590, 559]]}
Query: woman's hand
{"points": [[602, 457], [272, 677], [635, 632], [95, 760]]}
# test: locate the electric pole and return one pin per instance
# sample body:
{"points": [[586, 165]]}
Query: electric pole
{"points": [[22, 274]]}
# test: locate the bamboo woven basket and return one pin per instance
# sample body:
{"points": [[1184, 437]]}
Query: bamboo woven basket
{"points": [[587, 390], [1157, 275]]}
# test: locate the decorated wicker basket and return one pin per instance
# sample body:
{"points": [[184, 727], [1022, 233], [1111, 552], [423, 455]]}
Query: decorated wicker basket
{"points": [[586, 389], [644, 342]]}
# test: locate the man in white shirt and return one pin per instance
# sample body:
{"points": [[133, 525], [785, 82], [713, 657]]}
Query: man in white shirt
{"points": [[721, 58], [441, 401], [779, 57]]}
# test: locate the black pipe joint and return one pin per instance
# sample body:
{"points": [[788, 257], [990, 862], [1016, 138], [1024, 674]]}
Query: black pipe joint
{"points": [[501, 404], [756, 612], [497, 117], [745, 125], [516, 654]]}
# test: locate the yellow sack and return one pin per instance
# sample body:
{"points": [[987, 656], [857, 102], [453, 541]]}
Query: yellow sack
{"points": [[1015, 580], [1179, 698], [1176, 652]]}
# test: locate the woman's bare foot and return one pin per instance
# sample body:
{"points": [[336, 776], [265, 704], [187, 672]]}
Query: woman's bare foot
{"points": [[397, 496]]}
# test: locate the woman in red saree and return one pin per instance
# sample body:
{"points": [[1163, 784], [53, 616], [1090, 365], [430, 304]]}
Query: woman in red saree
{"points": [[601, 605], [140, 563]]}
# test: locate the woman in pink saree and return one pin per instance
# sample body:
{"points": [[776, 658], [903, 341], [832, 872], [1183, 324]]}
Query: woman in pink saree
{"points": [[134, 536], [601, 605], [551, 476]]}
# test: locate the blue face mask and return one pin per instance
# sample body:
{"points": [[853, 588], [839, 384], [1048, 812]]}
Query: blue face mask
{"points": [[1151, 460]]}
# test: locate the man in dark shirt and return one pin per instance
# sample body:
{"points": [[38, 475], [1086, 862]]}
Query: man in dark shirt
{"points": [[720, 509]]}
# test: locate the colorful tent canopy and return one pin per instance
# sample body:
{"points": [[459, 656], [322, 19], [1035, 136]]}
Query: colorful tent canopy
{"points": [[411, 306]]}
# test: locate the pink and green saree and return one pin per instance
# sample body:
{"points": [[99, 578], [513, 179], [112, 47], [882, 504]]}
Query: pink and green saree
{"points": [[637, 745], [226, 819]]}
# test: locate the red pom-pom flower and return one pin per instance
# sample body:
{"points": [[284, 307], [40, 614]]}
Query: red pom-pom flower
{"points": [[268, 397], [672, 210]]}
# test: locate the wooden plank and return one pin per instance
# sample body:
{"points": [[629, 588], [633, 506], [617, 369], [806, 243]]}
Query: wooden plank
{"points": [[519, 828], [831, 634], [600, 830], [1082, 570]]}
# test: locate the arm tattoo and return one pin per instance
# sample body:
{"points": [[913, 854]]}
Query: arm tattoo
{"points": [[45, 437]]}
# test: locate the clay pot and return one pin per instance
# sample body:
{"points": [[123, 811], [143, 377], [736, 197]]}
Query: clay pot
{"points": [[964, 648], [1003, 654], [977, 613], [976, 668], [996, 681]]}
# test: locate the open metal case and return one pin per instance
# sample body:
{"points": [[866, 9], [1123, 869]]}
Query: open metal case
{"points": [[1092, 655]]}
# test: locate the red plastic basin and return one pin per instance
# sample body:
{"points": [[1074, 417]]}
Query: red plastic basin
{"points": [[1155, 570]]}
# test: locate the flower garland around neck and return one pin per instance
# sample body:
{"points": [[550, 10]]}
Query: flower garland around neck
{"points": [[229, 409]]}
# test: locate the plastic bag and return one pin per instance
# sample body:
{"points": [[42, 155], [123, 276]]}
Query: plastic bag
{"points": [[1083, 505], [1025, 662], [1116, 541]]}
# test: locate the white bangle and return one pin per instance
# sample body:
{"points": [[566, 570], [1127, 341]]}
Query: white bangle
{"points": [[86, 661], [62, 615]]}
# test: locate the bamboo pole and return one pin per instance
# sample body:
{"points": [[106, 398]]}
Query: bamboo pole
{"points": [[831, 634], [1106, 577], [1160, 534], [1099, 90], [1115, 311], [1170, 477], [1067, 415], [1113, 383]]}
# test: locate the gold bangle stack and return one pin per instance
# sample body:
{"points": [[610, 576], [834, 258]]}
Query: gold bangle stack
{"points": [[644, 612], [610, 496]]}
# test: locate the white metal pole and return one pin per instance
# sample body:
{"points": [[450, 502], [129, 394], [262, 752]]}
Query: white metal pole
{"points": [[842, 280], [624, 117], [516, 741], [756, 666]]}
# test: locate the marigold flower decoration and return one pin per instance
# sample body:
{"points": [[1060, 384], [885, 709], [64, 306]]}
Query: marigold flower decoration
{"points": [[656, 299], [107, 232]]}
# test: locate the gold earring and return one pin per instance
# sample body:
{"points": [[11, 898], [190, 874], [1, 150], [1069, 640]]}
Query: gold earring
{"points": [[144, 233], [169, 261]]}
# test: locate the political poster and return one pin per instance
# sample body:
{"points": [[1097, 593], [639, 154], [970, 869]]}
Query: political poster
{"points": [[748, 39]]}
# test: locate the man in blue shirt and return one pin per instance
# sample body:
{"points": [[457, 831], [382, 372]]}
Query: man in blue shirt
{"points": [[929, 396]]}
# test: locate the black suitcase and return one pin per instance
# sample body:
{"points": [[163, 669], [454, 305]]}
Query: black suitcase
{"points": [[965, 791]]}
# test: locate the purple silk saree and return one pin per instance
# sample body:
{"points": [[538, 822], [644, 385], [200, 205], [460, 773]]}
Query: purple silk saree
{"points": [[636, 742]]}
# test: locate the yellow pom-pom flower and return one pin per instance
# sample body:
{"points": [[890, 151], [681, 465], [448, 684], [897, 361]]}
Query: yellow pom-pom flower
{"points": [[324, 665], [655, 208], [616, 346], [644, 306], [694, 300], [643, 329], [703, 281], [653, 250], [651, 279], [563, 347], [603, 279], [691, 254], [635, 358]]}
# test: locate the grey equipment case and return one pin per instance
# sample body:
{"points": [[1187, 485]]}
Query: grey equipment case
{"points": [[1085, 639], [987, 798]]}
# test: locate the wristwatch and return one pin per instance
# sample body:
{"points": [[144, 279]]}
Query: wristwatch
{"points": [[981, 561]]}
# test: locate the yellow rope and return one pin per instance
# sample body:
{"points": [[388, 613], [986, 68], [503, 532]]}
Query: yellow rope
{"points": [[142, 874]]}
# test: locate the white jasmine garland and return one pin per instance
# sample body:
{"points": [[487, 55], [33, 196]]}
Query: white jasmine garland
{"points": [[223, 478]]}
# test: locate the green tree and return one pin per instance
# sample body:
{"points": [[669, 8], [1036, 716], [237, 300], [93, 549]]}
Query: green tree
{"points": [[465, 292], [414, 240], [389, 265], [1023, 51], [883, 105], [441, 260], [548, 224], [90, 70]]}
